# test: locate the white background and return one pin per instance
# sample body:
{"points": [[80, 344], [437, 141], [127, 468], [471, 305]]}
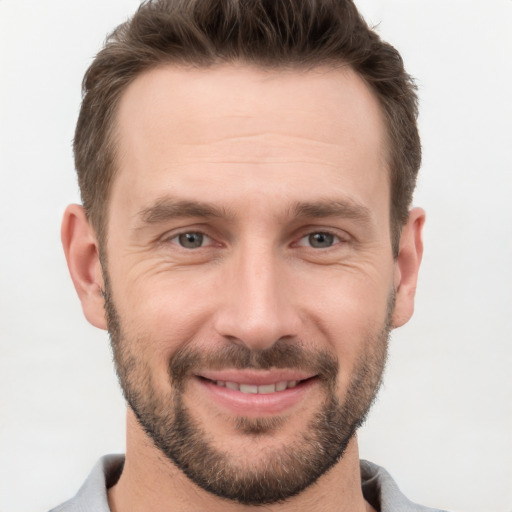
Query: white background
{"points": [[443, 422]]}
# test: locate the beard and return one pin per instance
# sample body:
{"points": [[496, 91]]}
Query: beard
{"points": [[282, 472]]}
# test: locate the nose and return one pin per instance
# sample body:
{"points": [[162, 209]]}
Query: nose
{"points": [[256, 307]]}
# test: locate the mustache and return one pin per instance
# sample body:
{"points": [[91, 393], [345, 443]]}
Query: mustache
{"points": [[283, 354]]}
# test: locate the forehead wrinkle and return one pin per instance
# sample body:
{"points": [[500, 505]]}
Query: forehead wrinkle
{"points": [[276, 138]]}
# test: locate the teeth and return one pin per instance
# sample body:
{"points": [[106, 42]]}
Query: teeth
{"points": [[264, 389], [248, 388], [281, 386], [268, 388]]}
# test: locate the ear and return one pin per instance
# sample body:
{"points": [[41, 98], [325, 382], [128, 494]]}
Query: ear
{"points": [[82, 254], [407, 266]]}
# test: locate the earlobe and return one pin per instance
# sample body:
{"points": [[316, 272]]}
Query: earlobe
{"points": [[407, 267], [82, 255]]}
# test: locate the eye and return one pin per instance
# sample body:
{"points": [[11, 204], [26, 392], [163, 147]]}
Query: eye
{"points": [[191, 240], [319, 240]]}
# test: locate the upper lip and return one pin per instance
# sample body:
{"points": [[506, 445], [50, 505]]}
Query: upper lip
{"points": [[255, 377]]}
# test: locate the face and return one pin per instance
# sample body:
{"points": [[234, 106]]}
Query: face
{"points": [[249, 277]]}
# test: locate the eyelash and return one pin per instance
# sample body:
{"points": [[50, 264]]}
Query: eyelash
{"points": [[335, 239], [176, 239]]}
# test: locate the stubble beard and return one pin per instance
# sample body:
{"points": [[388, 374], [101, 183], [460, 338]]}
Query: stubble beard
{"points": [[279, 474]]}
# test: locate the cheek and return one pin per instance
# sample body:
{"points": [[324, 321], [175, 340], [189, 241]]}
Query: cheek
{"points": [[352, 318], [348, 304], [162, 313]]}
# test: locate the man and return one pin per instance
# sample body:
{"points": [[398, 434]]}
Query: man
{"points": [[246, 171]]}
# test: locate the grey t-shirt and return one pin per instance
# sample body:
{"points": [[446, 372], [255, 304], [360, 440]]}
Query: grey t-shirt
{"points": [[379, 489]]}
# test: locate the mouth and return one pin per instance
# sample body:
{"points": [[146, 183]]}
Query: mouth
{"points": [[255, 393], [255, 389]]}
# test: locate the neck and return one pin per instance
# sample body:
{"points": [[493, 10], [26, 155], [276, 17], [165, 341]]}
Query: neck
{"points": [[151, 482]]}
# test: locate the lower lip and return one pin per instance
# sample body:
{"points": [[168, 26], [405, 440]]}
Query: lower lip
{"points": [[256, 404]]}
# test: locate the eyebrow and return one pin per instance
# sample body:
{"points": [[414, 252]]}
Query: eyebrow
{"points": [[168, 208], [333, 208]]}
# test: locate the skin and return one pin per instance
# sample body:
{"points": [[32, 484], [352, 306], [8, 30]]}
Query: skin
{"points": [[253, 144]]}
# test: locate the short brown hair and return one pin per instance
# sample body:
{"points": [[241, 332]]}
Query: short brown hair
{"points": [[268, 33]]}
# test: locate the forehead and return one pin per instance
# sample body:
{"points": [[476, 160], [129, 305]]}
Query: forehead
{"points": [[184, 129], [329, 100]]}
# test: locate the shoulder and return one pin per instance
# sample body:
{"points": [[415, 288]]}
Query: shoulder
{"points": [[382, 492], [93, 493]]}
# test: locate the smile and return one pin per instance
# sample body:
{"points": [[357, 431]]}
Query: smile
{"points": [[255, 394], [263, 389]]}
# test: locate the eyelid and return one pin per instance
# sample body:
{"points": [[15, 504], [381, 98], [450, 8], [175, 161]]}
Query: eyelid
{"points": [[340, 236], [172, 235], [206, 239], [336, 240]]}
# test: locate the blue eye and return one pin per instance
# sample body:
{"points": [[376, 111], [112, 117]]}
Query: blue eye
{"points": [[191, 240], [319, 240]]}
